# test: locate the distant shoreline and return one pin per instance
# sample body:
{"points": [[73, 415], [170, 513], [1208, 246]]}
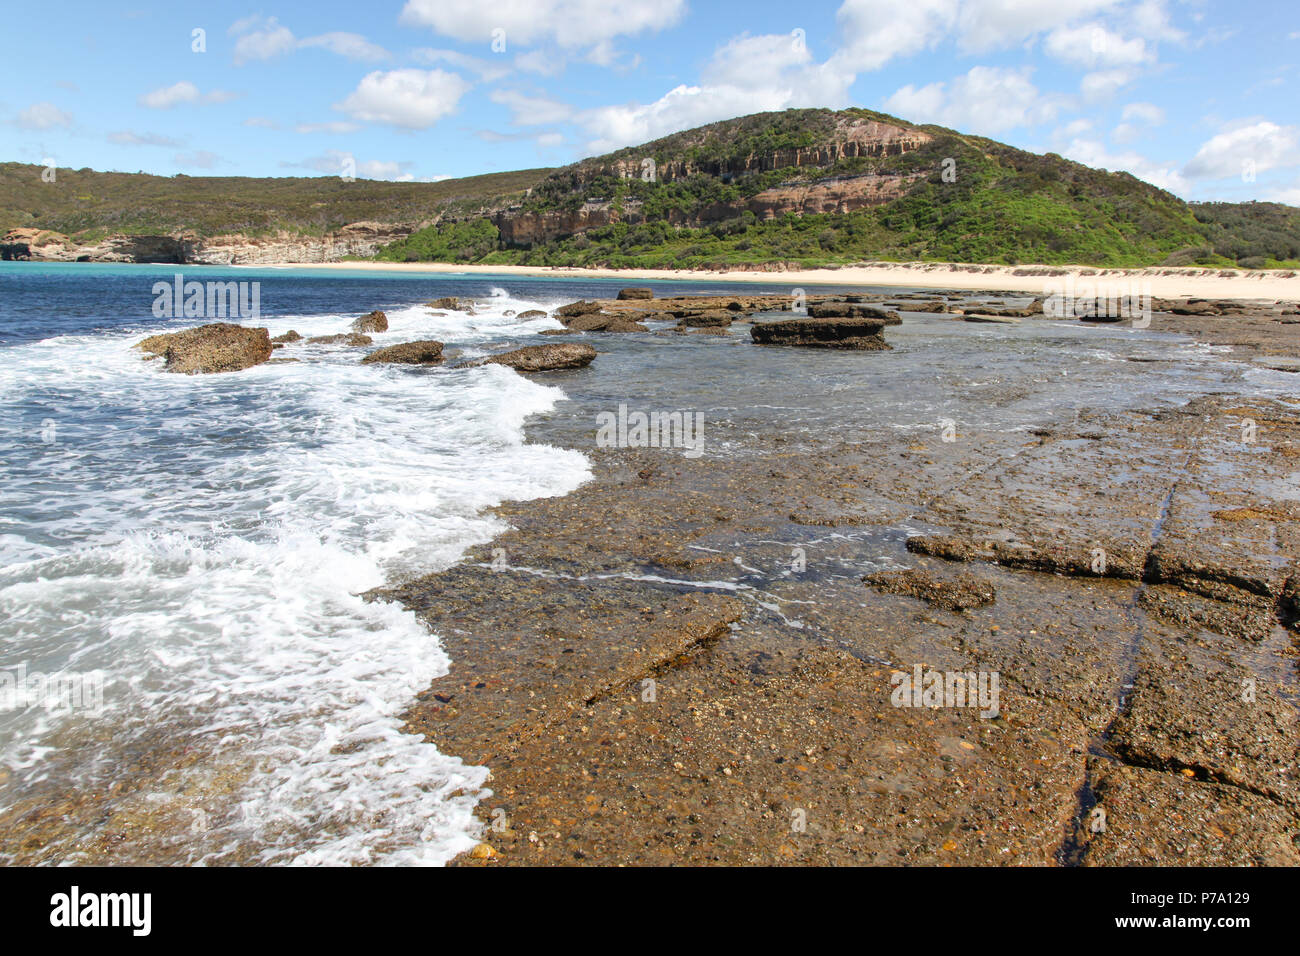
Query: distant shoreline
{"points": [[1268, 285], [1165, 282]]}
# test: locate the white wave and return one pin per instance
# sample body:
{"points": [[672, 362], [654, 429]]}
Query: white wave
{"points": [[205, 541]]}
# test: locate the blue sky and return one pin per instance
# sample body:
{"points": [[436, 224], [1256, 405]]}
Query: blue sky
{"points": [[1196, 96]]}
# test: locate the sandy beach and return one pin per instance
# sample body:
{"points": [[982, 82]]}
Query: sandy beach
{"points": [[1269, 285]]}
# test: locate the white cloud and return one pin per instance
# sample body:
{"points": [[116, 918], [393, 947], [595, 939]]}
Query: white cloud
{"points": [[261, 122], [264, 38], [411, 99], [350, 45], [43, 115], [532, 110], [986, 100], [1143, 112], [487, 70], [997, 24], [876, 31], [337, 127], [541, 62], [747, 75], [336, 162], [129, 138], [1091, 45], [1103, 84], [1093, 153], [183, 92], [570, 24], [169, 96], [202, 159], [1136, 116], [1261, 144]]}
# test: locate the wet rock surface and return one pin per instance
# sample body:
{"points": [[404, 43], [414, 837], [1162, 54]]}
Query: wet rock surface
{"points": [[543, 358], [680, 662], [353, 339], [209, 349], [371, 322], [426, 352]]}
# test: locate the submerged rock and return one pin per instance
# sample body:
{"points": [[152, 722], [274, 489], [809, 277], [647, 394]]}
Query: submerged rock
{"points": [[532, 314], [543, 358], [290, 336], [371, 322], [992, 319], [829, 333], [450, 302], [636, 294], [426, 352], [220, 347], [952, 594]]}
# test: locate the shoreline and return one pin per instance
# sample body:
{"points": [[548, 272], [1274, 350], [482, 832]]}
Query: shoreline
{"points": [[1268, 285], [1265, 285]]}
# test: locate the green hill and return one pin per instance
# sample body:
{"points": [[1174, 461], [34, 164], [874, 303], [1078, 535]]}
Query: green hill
{"points": [[822, 187], [88, 205]]}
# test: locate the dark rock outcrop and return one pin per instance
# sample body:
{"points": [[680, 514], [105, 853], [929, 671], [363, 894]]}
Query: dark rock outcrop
{"points": [[427, 352], [834, 310], [543, 358], [636, 294], [581, 307], [290, 336], [829, 333], [371, 322], [220, 347]]}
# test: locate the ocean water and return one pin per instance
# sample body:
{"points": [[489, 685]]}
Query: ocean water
{"points": [[184, 557]]}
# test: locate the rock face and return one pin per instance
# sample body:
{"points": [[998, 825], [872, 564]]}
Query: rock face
{"points": [[544, 358], [427, 352], [343, 338], [220, 347], [829, 333], [636, 294], [371, 322], [846, 138], [356, 239]]}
